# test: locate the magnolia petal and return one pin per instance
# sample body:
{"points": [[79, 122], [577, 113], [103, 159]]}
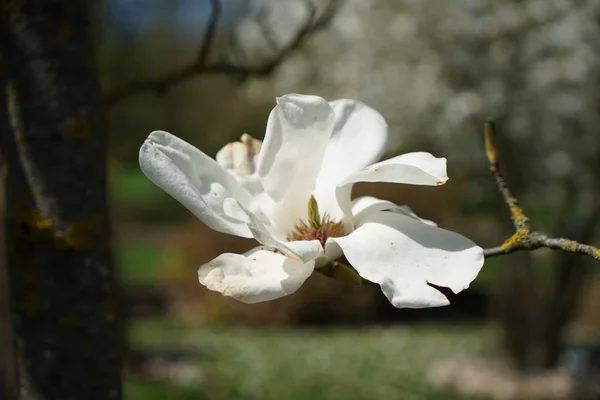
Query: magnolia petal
{"points": [[305, 250], [258, 275], [298, 130], [359, 139], [411, 168], [402, 255], [418, 168], [212, 194], [197, 182], [406, 210], [365, 205]]}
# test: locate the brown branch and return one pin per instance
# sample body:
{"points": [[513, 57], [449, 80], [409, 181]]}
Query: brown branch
{"points": [[313, 22], [524, 238], [161, 83], [307, 27]]}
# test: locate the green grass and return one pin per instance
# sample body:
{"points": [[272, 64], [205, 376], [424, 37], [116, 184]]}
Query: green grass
{"points": [[157, 391], [284, 364]]}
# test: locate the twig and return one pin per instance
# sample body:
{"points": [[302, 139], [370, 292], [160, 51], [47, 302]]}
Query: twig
{"points": [[161, 83], [310, 25], [262, 18], [524, 238], [327, 14]]}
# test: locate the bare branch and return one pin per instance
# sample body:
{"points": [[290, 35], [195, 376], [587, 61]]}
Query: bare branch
{"points": [[306, 29], [520, 220], [536, 241], [267, 33], [327, 14], [524, 238], [209, 34], [161, 83]]}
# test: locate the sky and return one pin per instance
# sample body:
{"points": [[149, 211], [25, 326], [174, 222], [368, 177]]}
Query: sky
{"points": [[186, 17]]}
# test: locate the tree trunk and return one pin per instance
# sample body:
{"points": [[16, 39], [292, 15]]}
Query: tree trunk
{"points": [[8, 388], [65, 301]]}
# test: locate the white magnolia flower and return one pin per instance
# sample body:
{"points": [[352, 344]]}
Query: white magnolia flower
{"points": [[292, 194]]}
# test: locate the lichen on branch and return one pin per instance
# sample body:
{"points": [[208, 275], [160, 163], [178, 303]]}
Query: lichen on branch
{"points": [[524, 237]]}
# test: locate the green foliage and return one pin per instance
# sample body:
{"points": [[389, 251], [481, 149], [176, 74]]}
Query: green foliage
{"points": [[138, 263], [136, 198], [130, 184]]}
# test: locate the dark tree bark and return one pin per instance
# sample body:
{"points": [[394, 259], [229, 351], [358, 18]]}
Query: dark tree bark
{"points": [[65, 301], [8, 388]]}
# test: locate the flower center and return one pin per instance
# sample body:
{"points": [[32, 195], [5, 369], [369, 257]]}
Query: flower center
{"points": [[317, 228]]}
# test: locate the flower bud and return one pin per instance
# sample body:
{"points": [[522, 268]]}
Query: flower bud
{"points": [[240, 157]]}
